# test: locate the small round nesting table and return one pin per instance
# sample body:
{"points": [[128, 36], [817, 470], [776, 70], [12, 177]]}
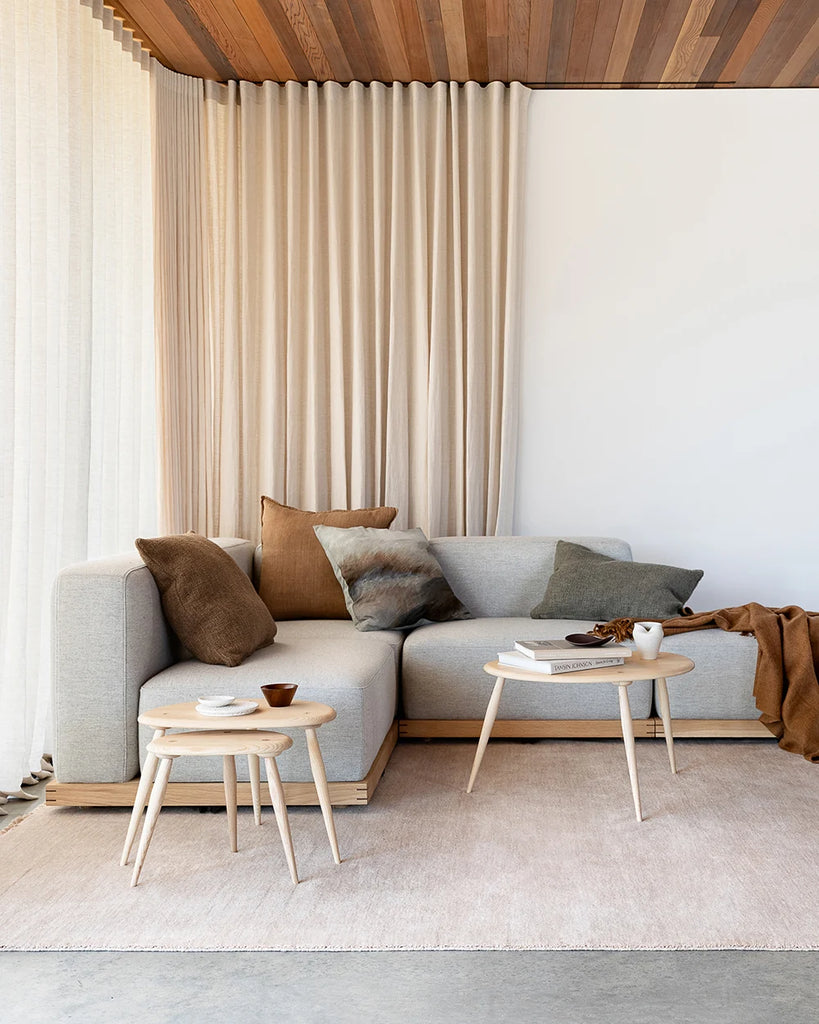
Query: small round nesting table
{"points": [[635, 668], [301, 714]]}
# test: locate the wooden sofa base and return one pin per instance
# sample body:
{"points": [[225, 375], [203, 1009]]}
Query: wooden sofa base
{"points": [[723, 728], [212, 794], [301, 794]]}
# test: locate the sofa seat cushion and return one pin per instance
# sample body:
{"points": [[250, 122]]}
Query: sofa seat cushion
{"points": [[443, 677], [355, 676], [338, 630]]}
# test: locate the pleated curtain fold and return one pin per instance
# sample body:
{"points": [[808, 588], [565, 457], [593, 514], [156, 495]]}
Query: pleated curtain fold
{"points": [[337, 298], [77, 410]]}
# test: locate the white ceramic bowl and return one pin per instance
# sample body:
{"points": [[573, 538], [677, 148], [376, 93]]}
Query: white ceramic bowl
{"points": [[217, 701]]}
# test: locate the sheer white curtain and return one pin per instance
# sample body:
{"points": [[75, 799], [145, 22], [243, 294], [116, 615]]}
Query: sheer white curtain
{"points": [[77, 408], [338, 277]]}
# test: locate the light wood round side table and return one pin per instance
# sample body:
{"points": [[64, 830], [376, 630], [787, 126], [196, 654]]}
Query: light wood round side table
{"points": [[635, 668], [301, 714]]}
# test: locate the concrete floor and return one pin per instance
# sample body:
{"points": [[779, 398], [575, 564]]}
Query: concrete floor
{"points": [[428, 988], [714, 987]]}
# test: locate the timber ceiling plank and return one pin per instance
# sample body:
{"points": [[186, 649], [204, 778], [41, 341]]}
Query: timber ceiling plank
{"points": [[452, 18], [585, 16], [347, 32], [667, 35], [433, 29], [188, 18], [254, 64], [758, 24], [394, 47], [560, 41], [809, 75], [608, 15], [650, 22], [801, 58], [161, 23], [140, 31], [214, 20], [788, 28], [308, 39], [329, 42], [735, 29], [476, 41], [578, 43], [540, 27], [519, 14], [267, 39], [409, 20], [676, 68], [631, 14], [367, 25], [497, 39], [287, 39], [718, 18]]}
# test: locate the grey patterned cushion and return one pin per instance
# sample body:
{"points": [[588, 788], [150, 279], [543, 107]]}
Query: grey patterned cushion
{"points": [[390, 578], [586, 585]]}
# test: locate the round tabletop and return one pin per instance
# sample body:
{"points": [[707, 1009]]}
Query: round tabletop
{"points": [[633, 669], [300, 714]]}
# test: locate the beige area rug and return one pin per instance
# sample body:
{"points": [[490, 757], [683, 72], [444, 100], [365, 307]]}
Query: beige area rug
{"points": [[545, 854]]}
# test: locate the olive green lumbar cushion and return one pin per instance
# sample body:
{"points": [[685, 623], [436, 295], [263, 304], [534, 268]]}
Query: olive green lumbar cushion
{"points": [[586, 585], [390, 578], [208, 601]]}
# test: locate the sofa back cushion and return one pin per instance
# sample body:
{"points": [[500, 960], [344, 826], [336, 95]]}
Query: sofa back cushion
{"points": [[296, 581], [207, 598], [503, 576]]}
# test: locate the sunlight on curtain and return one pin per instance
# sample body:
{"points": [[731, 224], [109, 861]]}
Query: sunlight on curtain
{"points": [[342, 327], [77, 413]]}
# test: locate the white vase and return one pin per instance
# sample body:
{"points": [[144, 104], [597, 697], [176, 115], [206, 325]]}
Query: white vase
{"points": [[647, 638]]}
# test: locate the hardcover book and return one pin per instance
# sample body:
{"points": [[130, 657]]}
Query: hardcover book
{"points": [[547, 650], [514, 659]]}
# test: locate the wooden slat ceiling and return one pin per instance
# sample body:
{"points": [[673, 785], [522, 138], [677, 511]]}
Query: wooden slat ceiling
{"points": [[548, 43]]}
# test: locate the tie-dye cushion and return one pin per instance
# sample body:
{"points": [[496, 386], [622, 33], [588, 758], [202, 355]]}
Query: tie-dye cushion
{"points": [[390, 578]]}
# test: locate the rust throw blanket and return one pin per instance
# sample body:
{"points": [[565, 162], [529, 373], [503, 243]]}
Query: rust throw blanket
{"points": [[786, 686]]}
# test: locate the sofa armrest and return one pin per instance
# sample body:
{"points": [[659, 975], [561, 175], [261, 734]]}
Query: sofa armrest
{"points": [[109, 637]]}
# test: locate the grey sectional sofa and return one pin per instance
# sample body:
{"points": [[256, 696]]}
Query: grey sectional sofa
{"points": [[114, 655]]}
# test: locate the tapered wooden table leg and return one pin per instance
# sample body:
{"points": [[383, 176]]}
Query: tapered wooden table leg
{"points": [[665, 714], [255, 787], [323, 790], [274, 784], [631, 755], [229, 769], [154, 807], [486, 731], [145, 781]]}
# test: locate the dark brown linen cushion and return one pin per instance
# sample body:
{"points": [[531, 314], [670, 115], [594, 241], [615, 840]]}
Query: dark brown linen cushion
{"points": [[587, 585], [296, 580], [390, 578], [209, 602]]}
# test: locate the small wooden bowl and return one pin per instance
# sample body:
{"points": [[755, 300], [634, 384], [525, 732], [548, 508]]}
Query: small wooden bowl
{"points": [[280, 695]]}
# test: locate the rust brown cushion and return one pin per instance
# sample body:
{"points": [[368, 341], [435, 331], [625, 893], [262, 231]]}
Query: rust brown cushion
{"points": [[209, 602], [297, 581]]}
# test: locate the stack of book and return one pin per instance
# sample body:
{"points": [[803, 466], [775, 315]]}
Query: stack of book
{"points": [[552, 657]]}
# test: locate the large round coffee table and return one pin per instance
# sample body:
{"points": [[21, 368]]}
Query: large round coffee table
{"points": [[301, 714], [635, 668]]}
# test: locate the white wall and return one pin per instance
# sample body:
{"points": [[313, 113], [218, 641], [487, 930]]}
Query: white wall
{"points": [[670, 366]]}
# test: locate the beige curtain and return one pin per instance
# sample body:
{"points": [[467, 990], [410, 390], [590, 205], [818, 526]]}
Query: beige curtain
{"points": [[338, 274], [77, 412]]}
